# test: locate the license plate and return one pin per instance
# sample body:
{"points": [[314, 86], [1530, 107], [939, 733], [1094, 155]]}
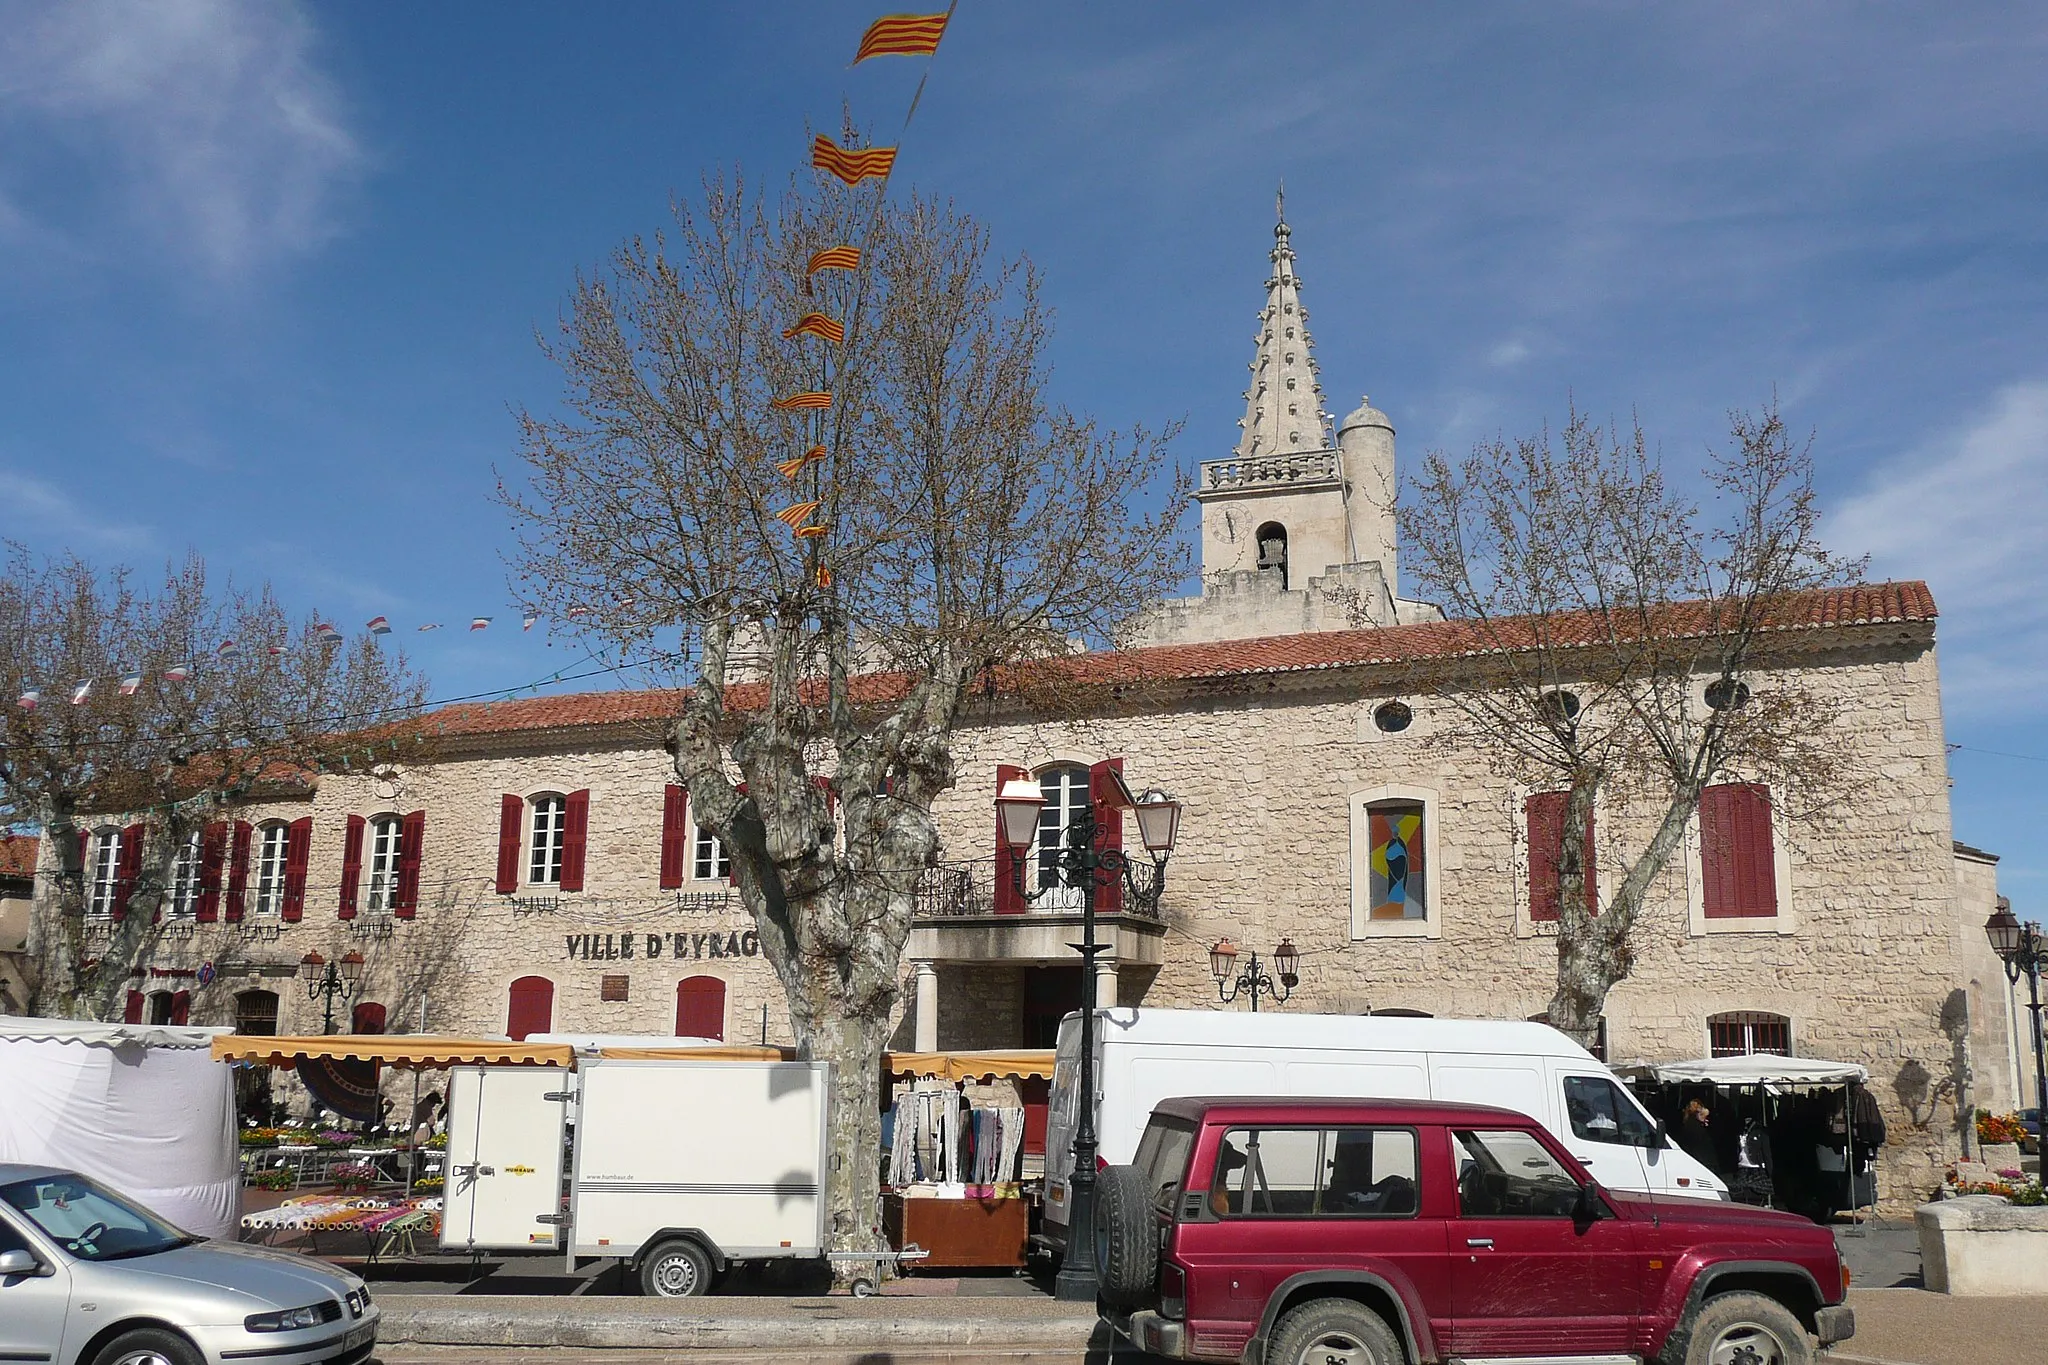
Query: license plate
{"points": [[362, 1336]]}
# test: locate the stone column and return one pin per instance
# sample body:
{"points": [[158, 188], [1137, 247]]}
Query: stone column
{"points": [[927, 1006], [1105, 983]]}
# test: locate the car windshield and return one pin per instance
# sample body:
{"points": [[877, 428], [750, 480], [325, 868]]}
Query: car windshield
{"points": [[89, 1220]]}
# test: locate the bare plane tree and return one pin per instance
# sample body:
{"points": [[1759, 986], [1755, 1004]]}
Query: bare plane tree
{"points": [[1621, 626], [171, 755], [967, 524]]}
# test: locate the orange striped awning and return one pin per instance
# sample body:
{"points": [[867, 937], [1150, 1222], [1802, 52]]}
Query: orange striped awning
{"points": [[867, 163], [799, 401], [421, 1051], [1024, 1063], [817, 325], [902, 35]]}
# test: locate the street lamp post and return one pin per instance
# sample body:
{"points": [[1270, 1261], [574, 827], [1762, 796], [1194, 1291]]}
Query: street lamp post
{"points": [[1254, 978], [1080, 864], [2024, 953], [326, 980]]}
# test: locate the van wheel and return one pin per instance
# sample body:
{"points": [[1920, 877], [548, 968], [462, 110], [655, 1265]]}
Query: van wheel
{"points": [[675, 1270], [148, 1346], [1335, 1332], [1745, 1329], [1126, 1238]]}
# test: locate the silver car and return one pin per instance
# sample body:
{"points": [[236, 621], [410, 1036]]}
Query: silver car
{"points": [[90, 1278]]}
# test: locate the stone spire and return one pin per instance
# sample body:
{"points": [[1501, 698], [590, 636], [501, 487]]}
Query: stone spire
{"points": [[1283, 408]]}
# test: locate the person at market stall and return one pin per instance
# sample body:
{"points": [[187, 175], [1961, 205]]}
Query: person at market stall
{"points": [[1695, 1135]]}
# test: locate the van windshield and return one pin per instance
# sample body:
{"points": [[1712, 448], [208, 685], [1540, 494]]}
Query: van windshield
{"points": [[1163, 1157], [89, 1220]]}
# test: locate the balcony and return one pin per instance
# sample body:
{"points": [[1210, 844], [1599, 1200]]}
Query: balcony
{"points": [[954, 919], [1265, 473]]}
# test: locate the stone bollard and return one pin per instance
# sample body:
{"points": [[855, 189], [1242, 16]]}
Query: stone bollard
{"points": [[1982, 1245]]}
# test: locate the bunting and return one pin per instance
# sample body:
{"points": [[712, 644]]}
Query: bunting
{"points": [[227, 649], [809, 532], [794, 465], [378, 625], [833, 258], [852, 165], [799, 401], [526, 622], [81, 692], [824, 577], [130, 682], [902, 35], [323, 632], [479, 623], [431, 625], [796, 514], [31, 699], [817, 325], [177, 673]]}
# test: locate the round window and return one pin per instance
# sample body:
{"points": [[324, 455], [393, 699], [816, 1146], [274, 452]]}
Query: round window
{"points": [[1726, 694], [1561, 706], [1393, 717]]}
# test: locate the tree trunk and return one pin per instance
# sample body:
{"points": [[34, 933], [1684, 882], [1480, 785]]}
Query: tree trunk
{"points": [[853, 1128]]}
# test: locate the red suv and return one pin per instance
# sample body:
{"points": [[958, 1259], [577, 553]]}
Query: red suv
{"points": [[1377, 1232]]}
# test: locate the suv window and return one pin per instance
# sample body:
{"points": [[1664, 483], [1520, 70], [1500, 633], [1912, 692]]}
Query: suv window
{"points": [[1599, 1112], [1315, 1173], [1507, 1173], [1163, 1157]]}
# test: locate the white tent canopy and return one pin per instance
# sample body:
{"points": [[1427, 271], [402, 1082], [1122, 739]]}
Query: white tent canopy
{"points": [[144, 1109], [1759, 1069]]}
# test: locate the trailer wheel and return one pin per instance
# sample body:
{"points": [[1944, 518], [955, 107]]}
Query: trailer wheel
{"points": [[676, 1269], [1126, 1237], [864, 1289]]}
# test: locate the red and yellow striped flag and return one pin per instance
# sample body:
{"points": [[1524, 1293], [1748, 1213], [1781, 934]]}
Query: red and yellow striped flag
{"points": [[809, 532], [796, 514], [868, 163], [798, 401], [824, 577], [901, 35], [833, 258], [794, 465], [817, 325]]}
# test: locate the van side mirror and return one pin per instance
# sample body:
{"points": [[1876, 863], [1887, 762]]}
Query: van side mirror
{"points": [[1659, 1138], [19, 1262]]}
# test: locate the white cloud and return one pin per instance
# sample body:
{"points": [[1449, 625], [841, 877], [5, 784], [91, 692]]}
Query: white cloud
{"points": [[206, 123], [42, 515], [1966, 513]]}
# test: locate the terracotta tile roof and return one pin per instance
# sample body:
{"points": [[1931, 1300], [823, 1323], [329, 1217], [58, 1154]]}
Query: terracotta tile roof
{"points": [[1837, 608], [18, 855]]}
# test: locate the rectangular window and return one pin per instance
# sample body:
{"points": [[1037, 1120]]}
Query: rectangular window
{"points": [[385, 836], [105, 871], [708, 860], [185, 880], [1738, 861], [1163, 1157], [1507, 1173], [1600, 1112], [544, 857], [1744, 1033], [270, 865], [1065, 790], [1316, 1173], [1395, 829]]}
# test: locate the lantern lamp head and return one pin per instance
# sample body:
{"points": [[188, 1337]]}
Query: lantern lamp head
{"points": [[312, 967], [2004, 931], [1158, 821], [1017, 808], [1287, 959], [351, 967], [1222, 959]]}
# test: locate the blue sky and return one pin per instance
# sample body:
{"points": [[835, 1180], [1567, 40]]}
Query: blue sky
{"points": [[270, 274]]}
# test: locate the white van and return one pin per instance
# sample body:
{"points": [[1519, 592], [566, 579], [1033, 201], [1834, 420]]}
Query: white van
{"points": [[1143, 1056]]}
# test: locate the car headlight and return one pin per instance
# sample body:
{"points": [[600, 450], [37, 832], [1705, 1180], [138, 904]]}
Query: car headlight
{"points": [[291, 1319]]}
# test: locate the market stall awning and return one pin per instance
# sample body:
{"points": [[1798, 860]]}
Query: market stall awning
{"points": [[735, 1053], [1759, 1069], [26, 1030], [391, 1049], [1022, 1063]]}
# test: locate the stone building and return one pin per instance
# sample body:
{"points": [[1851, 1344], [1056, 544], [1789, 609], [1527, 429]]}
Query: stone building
{"points": [[542, 871]]}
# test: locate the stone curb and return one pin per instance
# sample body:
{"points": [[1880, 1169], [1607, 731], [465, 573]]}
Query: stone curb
{"points": [[816, 1326]]}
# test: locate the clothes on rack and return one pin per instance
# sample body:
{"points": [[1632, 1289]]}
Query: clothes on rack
{"points": [[936, 1138]]}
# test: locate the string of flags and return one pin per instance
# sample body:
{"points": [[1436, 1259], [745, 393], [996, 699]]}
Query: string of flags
{"points": [[893, 35]]}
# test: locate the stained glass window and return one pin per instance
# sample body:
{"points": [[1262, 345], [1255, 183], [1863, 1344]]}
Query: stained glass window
{"points": [[1397, 861]]}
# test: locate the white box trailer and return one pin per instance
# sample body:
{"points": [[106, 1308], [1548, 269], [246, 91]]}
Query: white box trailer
{"points": [[1143, 1056], [676, 1167]]}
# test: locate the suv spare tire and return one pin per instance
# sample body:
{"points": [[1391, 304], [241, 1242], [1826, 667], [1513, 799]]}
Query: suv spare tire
{"points": [[1126, 1237]]}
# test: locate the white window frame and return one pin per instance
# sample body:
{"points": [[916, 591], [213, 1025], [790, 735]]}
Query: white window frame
{"points": [[184, 898], [709, 861], [1063, 802], [105, 871], [547, 827], [382, 837], [273, 851], [1363, 926], [1785, 921]]}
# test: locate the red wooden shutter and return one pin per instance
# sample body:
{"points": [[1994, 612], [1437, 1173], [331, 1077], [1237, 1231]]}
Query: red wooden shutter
{"points": [[700, 1008], [511, 810], [181, 1007], [132, 1014], [238, 869], [824, 784], [127, 867], [298, 851], [1008, 902], [1738, 864], [575, 834], [213, 850], [367, 1017], [1545, 812], [675, 835], [351, 865], [531, 1008], [412, 835], [1108, 801]]}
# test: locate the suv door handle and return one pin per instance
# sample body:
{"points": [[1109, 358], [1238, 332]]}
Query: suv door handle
{"points": [[1478, 1241]]}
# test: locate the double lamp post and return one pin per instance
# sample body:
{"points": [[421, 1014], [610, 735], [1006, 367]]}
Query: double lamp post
{"points": [[1081, 864], [2024, 952], [326, 981]]}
